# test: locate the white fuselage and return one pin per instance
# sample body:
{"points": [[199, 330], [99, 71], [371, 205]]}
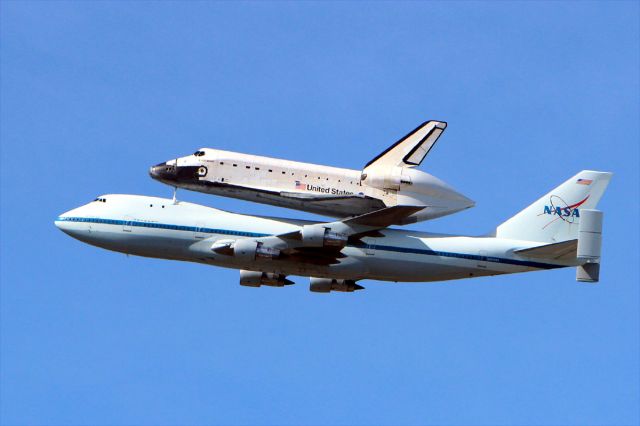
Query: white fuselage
{"points": [[156, 227], [310, 187]]}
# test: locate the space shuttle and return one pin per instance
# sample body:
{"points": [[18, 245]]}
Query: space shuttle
{"points": [[390, 179]]}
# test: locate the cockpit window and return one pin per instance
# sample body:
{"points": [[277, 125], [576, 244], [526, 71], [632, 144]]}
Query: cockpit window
{"points": [[198, 153], [100, 199]]}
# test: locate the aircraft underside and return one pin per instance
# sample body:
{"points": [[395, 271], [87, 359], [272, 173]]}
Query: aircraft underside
{"points": [[358, 263], [339, 206]]}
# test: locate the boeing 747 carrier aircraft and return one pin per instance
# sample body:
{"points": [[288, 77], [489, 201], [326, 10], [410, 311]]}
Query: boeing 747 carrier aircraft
{"points": [[388, 180], [561, 229]]}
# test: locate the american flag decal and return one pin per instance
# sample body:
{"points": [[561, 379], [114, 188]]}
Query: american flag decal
{"points": [[300, 185], [584, 181]]}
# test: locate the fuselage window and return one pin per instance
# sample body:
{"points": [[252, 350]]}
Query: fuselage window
{"points": [[222, 163], [235, 165], [257, 168], [270, 171], [248, 167]]}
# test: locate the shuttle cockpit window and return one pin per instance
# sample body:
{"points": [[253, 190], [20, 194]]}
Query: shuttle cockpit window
{"points": [[198, 153], [100, 199]]}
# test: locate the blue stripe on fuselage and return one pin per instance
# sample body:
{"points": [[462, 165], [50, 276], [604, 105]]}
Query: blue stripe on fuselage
{"points": [[396, 249], [160, 226]]}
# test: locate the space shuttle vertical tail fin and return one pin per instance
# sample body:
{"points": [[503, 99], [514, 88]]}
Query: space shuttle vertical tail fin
{"points": [[556, 216], [412, 148]]}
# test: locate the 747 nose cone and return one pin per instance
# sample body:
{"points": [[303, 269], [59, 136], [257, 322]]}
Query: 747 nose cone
{"points": [[70, 222]]}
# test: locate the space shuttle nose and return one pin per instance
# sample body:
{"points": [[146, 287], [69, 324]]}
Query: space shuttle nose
{"points": [[160, 170], [171, 173], [163, 171]]}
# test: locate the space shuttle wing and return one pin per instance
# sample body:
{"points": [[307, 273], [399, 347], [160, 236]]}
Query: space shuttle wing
{"points": [[412, 148], [355, 204], [341, 205], [384, 217]]}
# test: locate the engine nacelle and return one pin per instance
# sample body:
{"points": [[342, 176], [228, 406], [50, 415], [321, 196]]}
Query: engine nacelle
{"points": [[248, 249], [245, 249], [386, 179], [325, 285], [320, 236], [257, 278]]}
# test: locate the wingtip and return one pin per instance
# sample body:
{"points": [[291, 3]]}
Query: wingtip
{"points": [[438, 123]]}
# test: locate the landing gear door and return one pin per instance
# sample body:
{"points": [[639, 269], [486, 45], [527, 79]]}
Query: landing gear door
{"points": [[198, 233], [370, 247], [127, 225], [482, 259]]}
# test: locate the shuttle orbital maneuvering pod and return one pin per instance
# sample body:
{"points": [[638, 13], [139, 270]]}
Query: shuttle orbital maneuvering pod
{"points": [[388, 180], [561, 229]]}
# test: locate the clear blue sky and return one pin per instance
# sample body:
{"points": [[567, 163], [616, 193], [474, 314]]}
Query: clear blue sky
{"points": [[93, 93]]}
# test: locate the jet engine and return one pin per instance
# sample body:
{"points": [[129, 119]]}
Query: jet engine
{"points": [[320, 236], [246, 249], [325, 285], [257, 278]]}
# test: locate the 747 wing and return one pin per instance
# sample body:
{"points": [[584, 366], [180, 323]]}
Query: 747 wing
{"points": [[319, 243]]}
